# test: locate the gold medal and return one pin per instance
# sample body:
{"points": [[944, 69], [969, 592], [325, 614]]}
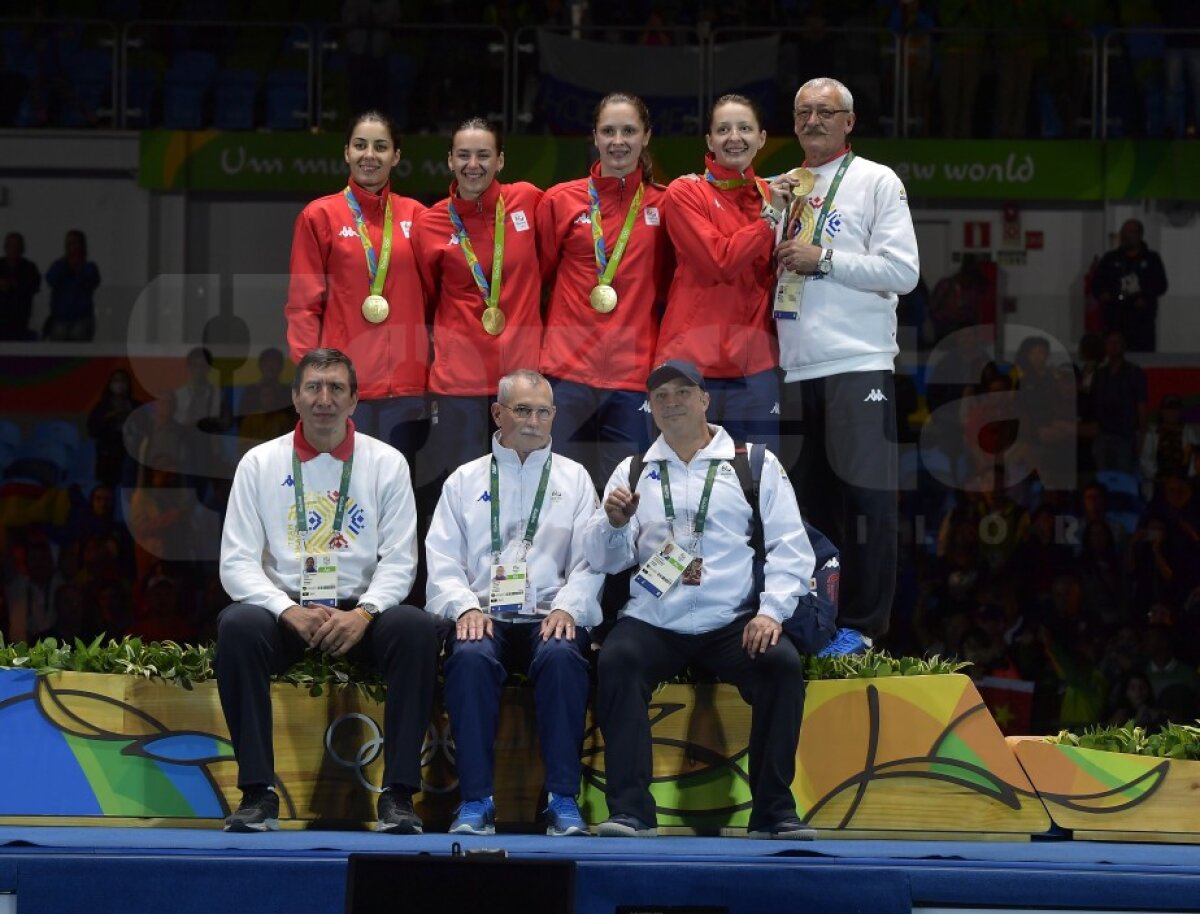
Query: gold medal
{"points": [[493, 321], [603, 298], [375, 308], [805, 181]]}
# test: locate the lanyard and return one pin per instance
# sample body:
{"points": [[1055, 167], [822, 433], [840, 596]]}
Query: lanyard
{"points": [[606, 267], [343, 496], [490, 293], [833, 187], [664, 480], [734, 183], [534, 512], [378, 271]]}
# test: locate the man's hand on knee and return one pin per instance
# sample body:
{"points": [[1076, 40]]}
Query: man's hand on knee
{"points": [[760, 633], [473, 625], [341, 631], [306, 621]]}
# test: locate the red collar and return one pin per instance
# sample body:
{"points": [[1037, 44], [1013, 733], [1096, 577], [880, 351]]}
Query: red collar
{"points": [[486, 201], [832, 158], [722, 172], [367, 200], [633, 179], [306, 451]]}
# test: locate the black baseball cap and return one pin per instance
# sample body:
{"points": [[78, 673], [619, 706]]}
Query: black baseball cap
{"points": [[673, 369]]}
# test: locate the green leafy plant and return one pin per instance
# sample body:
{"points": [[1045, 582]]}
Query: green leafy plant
{"points": [[876, 665], [185, 664], [1173, 741]]}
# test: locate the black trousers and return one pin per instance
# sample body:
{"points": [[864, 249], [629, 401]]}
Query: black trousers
{"points": [[252, 645], [840, 448], [637, 656]]}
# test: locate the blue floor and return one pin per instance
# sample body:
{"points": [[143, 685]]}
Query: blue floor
{"points": [[102, 869]]}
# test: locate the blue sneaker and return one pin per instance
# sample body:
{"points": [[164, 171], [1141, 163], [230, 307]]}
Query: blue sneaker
{"points": [[621, 825], [846, 641], [475, 817], [563, 818]]}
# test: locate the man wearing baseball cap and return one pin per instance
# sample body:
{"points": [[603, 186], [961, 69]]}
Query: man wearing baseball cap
{"points": [[697, 603]]}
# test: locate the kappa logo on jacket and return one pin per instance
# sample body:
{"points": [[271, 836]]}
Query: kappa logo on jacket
{"points": [[582, 219], [875, 396], [347, 232], [453, 240], [486, 496]]}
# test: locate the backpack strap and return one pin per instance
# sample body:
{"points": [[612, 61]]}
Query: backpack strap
{"points": [[748, 464], [616, 586]]}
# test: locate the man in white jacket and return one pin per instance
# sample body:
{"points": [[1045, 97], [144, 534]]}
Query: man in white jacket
{"points": [[685, 525], [328, 493], [506, 566], [847, 250]]}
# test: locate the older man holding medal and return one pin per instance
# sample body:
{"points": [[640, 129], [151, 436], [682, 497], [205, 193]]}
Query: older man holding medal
{"points": [[318, 553], [684, 524], [845, 252], [506, 566]]}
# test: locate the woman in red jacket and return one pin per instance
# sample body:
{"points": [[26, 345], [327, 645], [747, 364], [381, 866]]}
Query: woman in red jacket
{"points": [[354, 287], [602, 242], [718, 309], [477, 254]]}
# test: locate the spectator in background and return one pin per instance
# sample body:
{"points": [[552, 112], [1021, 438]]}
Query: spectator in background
{"points": [[72, 280], [1129, 282], [30, 592], [266, 409], [961, 53], [1170, 444], [1118, 408], [158, 613], [198, 416], [1182, 64], [1100, 569], [1135, 705], [957, 300], [1175, 683], [106, 425], [20, 280]]}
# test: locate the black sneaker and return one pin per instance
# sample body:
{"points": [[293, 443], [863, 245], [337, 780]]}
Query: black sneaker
{"points": [[791, 828], [259, 811], [397, 816]]}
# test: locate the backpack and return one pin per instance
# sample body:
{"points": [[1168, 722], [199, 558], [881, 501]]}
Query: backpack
{"points": [[814, 623]]}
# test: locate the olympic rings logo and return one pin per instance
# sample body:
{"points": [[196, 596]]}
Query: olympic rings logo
{"points": [[437, 742]]}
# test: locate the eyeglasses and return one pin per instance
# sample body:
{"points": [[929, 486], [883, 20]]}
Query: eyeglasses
{"points": [[525, 412], [823, 114]]}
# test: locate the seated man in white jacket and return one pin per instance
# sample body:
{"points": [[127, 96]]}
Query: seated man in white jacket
{"points": [[344, 500], [686, 527], [505, 558]]}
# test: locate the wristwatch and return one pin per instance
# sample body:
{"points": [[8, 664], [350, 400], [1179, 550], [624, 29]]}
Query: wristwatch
{"points": [[369, 611], [825, 264], [771, 214]]}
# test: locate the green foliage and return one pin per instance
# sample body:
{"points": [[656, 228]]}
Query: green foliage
{"points": [[1174, 741], [184, 664], [877, 664]]}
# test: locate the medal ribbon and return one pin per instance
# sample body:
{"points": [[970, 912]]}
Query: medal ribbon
{"points": [[534, 512], [833, 188], [377, 271], [734, 183], [606, 267], [490, 293], [664, 480], [339, 513]]}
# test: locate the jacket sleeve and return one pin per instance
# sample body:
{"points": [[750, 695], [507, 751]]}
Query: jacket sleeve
{"points": [[891, 262], [580, 594], [1156, 276], [397, 561], [606, 548], [790, 558], [549, 237], [428, 258], [243, 541], [448, 592], [709, 253], [307, 287]]}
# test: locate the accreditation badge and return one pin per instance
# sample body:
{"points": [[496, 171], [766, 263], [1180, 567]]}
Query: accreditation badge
{"points": [[318, 580], [508, 590], [663, 569], [789, 291]]}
